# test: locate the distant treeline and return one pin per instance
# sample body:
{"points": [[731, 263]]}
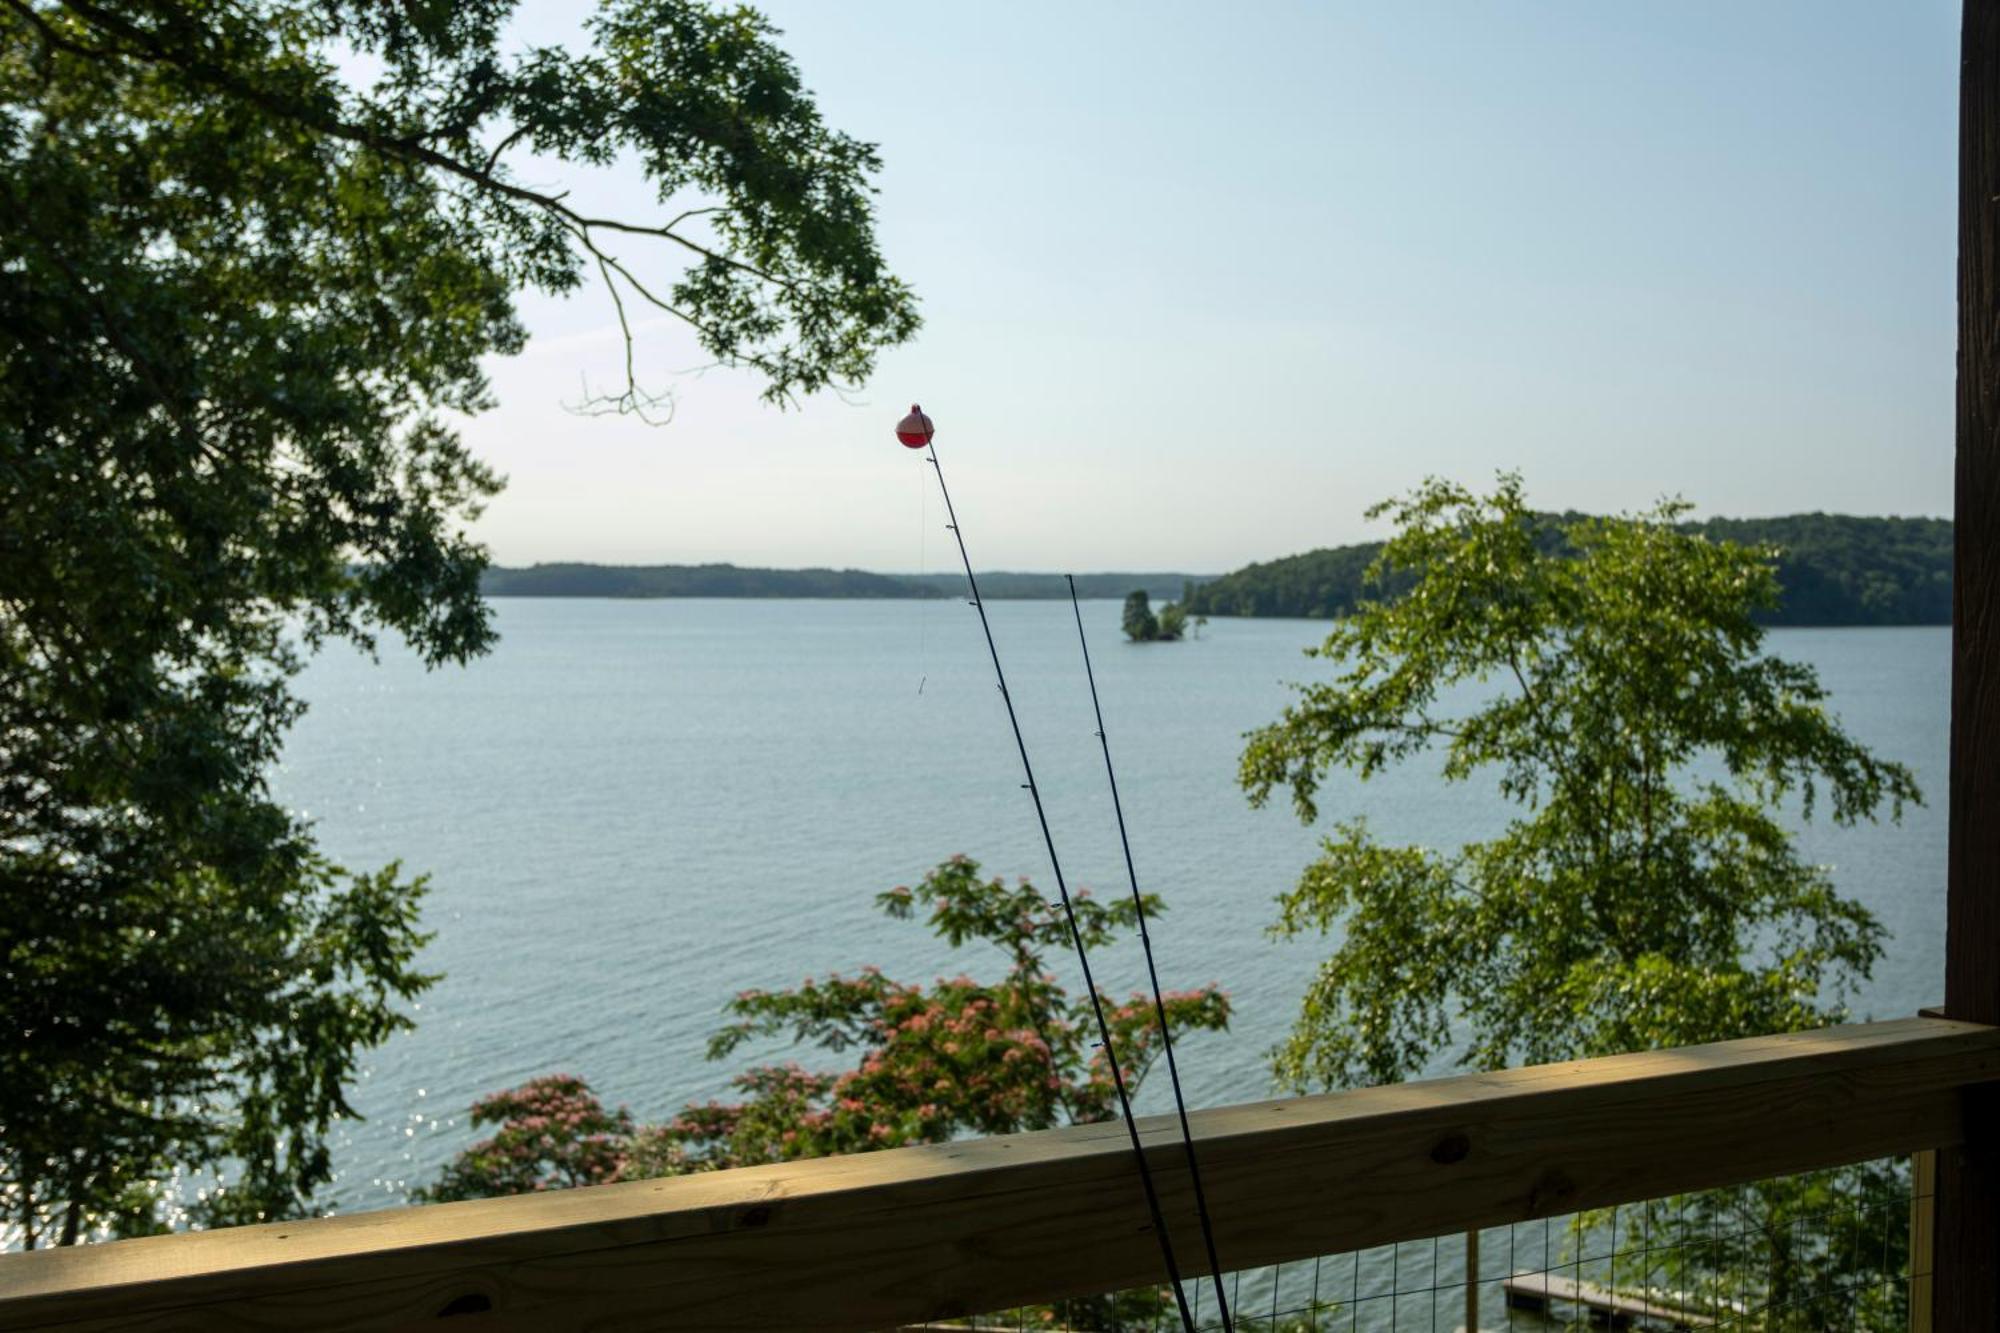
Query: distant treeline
{"points": [[580, 580], [692, 581], [1833, 569], [1006, 584]]}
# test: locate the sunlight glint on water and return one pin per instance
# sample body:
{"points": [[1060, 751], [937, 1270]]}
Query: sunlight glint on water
{"points": [[632, 810]]}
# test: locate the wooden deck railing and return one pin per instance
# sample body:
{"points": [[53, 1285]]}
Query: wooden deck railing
{"points": [[912, 1234]]}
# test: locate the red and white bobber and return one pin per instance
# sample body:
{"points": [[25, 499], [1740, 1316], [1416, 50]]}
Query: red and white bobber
{"points": [[915, 430]]}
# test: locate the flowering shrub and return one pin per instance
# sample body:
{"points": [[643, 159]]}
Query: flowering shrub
{"points": [[554, 1133], [959, 1056]]}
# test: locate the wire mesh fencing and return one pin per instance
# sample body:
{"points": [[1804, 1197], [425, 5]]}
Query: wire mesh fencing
{"points": [[1824, 1251]]}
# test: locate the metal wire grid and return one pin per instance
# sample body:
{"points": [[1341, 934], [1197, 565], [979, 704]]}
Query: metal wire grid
{"points": [[1826, 1251]]}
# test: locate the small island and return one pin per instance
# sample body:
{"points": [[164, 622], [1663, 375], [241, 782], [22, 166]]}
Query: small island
{"points": [[1142, 626]]}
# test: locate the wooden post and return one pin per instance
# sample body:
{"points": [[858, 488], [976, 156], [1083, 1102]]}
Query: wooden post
{"points": [[1923, 1250], [1967, 1238], [1472, 1281]]}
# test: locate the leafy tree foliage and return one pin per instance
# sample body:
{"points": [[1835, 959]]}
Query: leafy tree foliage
{"points": [[553, 1134], [1812, 1252], [241, 303], [935, 1062], [1832, 569], [1608, 672], [1648, 896]]}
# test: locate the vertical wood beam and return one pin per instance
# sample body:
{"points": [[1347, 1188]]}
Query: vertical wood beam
{"points": [[1471, 1282], [1967, 1283], [1923, 1249]]}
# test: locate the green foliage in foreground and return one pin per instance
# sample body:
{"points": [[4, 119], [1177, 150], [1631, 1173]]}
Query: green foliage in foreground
{"points": [[242, 304], [1832, 569], [1607, 673], [927, 1063], [1648, 895], [924, 1064], [1822, 1250]]}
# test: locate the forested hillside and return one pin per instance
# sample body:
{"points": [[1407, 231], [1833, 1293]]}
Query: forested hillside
{"points": [[1834, 569], [1837, 569]]}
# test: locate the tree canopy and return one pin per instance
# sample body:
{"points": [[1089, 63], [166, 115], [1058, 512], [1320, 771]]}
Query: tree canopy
{"points": [[244, 298], [1607, 673], [959, 1056], [926, 1064]]}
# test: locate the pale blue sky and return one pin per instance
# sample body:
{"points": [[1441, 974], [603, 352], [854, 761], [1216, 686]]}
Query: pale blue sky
{"points": [[1202, 281]]}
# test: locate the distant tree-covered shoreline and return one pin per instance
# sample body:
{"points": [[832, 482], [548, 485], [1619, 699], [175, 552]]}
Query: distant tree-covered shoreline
{"points": [[571, 579], [581, 580], [1833, 569]]}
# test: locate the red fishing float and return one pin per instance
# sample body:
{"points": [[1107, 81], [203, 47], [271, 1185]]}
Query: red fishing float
{"points": [[915, 430]]}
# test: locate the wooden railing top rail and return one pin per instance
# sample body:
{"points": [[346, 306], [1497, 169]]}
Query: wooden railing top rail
{"points": [[906, 1235]]}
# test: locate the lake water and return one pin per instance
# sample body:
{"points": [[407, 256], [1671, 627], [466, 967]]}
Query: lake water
{"points": [[633, 809]]}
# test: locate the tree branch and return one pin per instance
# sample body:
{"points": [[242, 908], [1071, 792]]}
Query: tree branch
{"points": [[410, 148]]}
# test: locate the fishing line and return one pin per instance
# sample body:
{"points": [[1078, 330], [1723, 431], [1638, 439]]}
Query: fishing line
{"points": [[1152, 972], [916, 432], [923, 569]]}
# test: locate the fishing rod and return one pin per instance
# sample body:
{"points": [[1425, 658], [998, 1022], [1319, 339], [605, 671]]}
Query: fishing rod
{"points": [[917, 432], [1152, 972]]}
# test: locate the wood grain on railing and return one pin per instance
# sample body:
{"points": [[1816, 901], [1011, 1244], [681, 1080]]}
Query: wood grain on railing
{"points": [[902, 1236]]}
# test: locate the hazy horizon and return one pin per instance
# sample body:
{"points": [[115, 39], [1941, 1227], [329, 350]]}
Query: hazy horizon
{"points": [[1169, 567]]}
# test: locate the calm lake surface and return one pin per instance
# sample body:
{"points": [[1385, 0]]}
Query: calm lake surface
{"points": [[633, 809]]}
